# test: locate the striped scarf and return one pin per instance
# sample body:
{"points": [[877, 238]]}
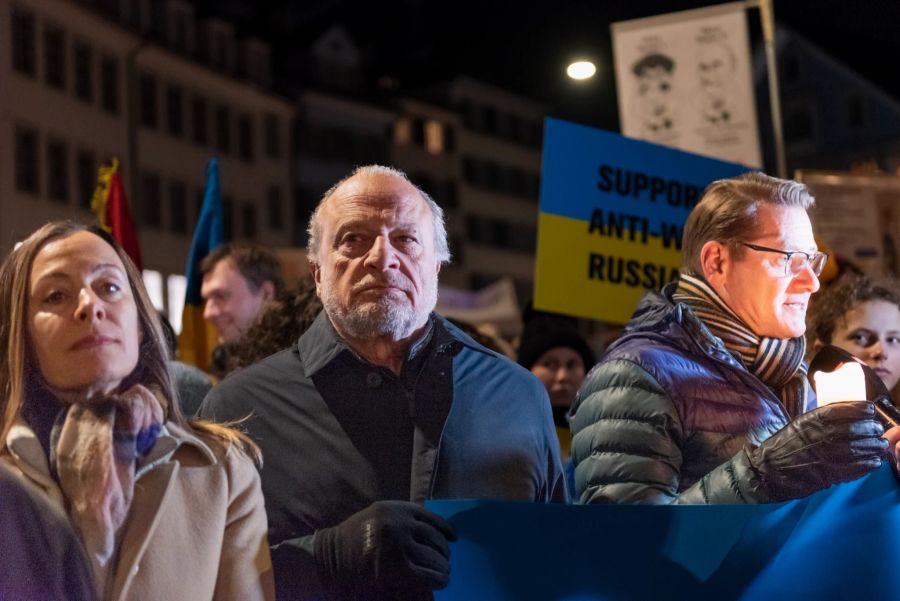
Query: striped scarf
{"points": [[778, 362]]}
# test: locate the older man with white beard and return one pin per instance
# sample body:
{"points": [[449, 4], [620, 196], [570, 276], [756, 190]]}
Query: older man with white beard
{"points": [[381, 405]]}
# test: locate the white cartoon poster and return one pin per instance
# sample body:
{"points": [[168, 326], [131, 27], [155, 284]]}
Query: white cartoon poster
{"points": [[684, 80]]}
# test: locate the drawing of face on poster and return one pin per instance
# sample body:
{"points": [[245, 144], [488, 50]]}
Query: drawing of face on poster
{"points": [[656, 95], [715, 73]]}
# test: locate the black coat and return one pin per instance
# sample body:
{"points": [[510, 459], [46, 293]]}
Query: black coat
{"points": [[42, 557], [328, 424]]}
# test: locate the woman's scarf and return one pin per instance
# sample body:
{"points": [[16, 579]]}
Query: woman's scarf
{"points": [[94, 448], [778, 362]]}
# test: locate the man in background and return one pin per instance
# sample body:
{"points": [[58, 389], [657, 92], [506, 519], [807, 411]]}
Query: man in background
{"points": [[239, 280]]}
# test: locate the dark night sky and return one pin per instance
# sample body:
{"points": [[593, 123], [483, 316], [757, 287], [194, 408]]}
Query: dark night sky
{"points": [[525, 46]]}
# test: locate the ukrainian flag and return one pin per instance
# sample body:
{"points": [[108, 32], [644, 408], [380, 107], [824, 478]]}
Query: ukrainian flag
{"points": [[198, 338]]}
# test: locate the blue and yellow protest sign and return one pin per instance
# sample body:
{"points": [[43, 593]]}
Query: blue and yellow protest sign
{"points": [[612, 213]]}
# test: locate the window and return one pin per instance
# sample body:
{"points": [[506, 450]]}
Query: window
{"points": [[133, 17], [23, 27], [533, 132], [434, 137], [418, 131], [153, 284], [514, 128], [274, 210], [174, 101], [158, 18], [27, 160], [449, 140], [84, 78], [147, 88], [178, 209], [55, 57], [220, 50], [472, 171], [86, 172], [533, 185], [248, 220], [228, 218], [223, 129], [402, 131], [798, 123], [198, 115], [57, 171], [492, 175], [273, 137], [180, 32], [245, 137], [522, 238], [488, 120], [470, 114], [151, 207], [516, 181], [109, 84], [498, 233], [450, 199], [176, 284]]}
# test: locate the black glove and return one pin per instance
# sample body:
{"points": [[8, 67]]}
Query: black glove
{"points": [[388, 545], [835, 443]]}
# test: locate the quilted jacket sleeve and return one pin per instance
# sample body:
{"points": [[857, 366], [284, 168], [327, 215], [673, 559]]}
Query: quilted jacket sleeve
{"points": [[627, 445]]}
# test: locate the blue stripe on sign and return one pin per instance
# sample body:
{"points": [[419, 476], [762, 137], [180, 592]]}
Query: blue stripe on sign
{"points": [[586, 169]]}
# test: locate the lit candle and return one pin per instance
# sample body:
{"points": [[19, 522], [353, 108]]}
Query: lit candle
{"points": [[846, 383]]}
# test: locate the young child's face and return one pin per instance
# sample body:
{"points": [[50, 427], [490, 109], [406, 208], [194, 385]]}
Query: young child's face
{"points": [[871, 331]]}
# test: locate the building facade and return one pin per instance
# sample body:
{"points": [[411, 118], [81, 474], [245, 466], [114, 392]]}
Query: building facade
{"points": [[144, 82]]}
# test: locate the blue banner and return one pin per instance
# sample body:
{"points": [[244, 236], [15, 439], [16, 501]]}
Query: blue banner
{"points": [[842, 543]]}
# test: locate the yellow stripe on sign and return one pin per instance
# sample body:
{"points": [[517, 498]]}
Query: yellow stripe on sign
{"points": [[598, 276]]}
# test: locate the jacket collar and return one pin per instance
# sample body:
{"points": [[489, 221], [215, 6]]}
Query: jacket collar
{"points": [[320, 344], [657, 312]]}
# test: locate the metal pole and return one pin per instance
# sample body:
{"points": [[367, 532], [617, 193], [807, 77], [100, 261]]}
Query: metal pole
{"points": [[767, 18]]}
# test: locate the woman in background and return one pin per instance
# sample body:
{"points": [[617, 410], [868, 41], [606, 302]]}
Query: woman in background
{"points": [[861, 316], [165, 508]]}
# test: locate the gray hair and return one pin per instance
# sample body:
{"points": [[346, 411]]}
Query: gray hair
{"points": [[441, 248], [728, 212]]}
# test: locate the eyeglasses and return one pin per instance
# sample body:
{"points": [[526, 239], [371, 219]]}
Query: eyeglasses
{"points": [[796, 260]]}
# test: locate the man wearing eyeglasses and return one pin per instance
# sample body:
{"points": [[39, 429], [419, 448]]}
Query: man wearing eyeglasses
{"points": [[705, 399]]}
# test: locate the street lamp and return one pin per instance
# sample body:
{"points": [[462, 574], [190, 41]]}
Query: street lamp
{"points": [[581, 70]]}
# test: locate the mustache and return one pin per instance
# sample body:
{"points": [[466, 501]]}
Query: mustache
{"points": [[394, 281]]}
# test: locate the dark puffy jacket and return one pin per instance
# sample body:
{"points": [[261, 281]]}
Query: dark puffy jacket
{"points": [[664, 417]]}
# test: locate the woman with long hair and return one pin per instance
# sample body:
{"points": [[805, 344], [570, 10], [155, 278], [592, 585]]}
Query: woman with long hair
{"points": [[165, 508]]}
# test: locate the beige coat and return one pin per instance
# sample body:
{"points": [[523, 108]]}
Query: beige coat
{"points": [[196, 529]]}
